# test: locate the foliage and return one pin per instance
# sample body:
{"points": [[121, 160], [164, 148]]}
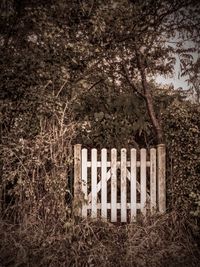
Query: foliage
{"points": [[111, 118], [194, 79], [196, 200], [67, 46], [34, 170], [182, 128]]}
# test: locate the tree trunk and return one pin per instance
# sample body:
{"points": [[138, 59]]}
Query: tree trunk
{"points": [[149, 101]]}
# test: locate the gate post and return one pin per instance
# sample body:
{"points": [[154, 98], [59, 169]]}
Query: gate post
{"points": [[77, 180], [161, 170]]}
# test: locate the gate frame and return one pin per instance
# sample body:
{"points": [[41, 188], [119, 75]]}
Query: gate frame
{"points": [[161, 178]]}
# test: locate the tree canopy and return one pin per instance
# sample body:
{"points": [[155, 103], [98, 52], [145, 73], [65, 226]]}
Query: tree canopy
{"points": [[69, 47]]}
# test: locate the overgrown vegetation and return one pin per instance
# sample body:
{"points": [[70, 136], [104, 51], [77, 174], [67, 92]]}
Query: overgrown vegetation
{"points": [[82, 71], [158, 241], [183, 136]]}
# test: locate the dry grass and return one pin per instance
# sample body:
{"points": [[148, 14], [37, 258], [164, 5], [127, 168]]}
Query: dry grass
{"points": [[35, 170], [156, 241], [161, 241]]}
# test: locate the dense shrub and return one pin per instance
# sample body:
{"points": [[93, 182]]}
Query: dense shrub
{"points": [[182, 131], [111, 118], [35, 167]]}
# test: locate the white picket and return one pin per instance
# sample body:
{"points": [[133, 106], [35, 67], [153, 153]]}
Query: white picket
{"points": [[94, 183], [104, 184], [133, 180], [143, 180], [113, 185], [84, 181], [123, 186], [152, 179]]}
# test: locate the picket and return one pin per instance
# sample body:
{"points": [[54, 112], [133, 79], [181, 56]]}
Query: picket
{"points": [[94, 183], [84, 181], [143, 189], [161, 178], [143, 180], [153, 179], [113, 185], [104, 184], [77, 179], [123, 186], [133, 180]]}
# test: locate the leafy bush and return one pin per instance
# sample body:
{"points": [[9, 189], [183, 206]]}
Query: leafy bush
{"points": [[36, 166], [182, 131], [112, 119]]}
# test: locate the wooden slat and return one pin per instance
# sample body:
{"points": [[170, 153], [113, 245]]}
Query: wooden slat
{"points": [[80, 184], [153, 179], [84, 182], [113, 185], [104, 184], [118, 205], [128, 164], [123, 186], [161, 150], [108, 177], [143, 180], [94, 183], [133, 180], [77, 179], [137, 184]]}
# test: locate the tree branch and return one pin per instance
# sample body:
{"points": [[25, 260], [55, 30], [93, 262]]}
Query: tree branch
{"points": [[131, 83], [94, 84]]}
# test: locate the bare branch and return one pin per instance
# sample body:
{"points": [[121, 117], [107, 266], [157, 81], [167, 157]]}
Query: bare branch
{"points": [[94, 84]]}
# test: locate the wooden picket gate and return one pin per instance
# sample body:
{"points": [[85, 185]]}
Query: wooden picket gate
{"points": [[111, 189]]}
